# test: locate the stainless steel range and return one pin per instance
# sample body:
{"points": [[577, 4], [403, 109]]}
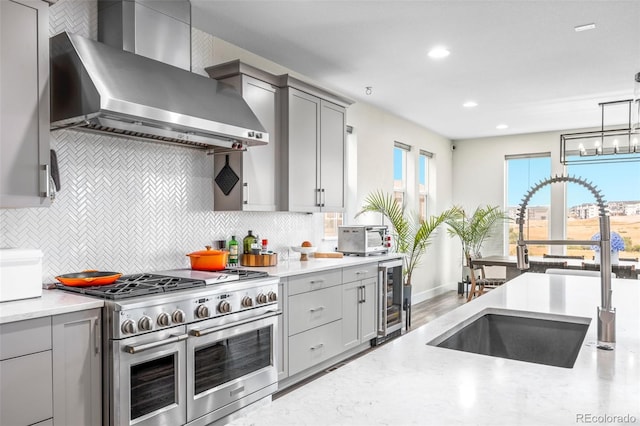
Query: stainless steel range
{"points": [[187, 347]]}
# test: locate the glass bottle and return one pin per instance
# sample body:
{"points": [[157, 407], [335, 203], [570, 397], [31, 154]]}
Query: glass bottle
{"points": [[247, 242], [233, 251]]}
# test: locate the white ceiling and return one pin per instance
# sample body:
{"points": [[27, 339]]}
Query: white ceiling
{"points": [[521, 60]]}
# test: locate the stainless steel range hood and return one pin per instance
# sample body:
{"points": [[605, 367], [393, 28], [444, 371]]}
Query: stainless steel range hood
{"points": [[98, 88]]}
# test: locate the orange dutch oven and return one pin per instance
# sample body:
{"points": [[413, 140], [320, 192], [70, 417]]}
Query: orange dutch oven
{"points": [[209, 260]]}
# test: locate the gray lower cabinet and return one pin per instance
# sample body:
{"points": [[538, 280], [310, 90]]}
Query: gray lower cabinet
{"points": [[77, 368], [329, 316], [359, 304], [313, 316], [50, 370], [24, 104], [358, 312], [26, 381]]}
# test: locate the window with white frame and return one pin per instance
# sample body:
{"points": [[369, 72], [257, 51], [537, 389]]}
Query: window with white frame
{"points": [[400, 151], [522, 172], [423, 182]]}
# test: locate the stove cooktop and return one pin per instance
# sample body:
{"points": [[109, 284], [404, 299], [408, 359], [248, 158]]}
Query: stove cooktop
{"points": [[128, 286]]}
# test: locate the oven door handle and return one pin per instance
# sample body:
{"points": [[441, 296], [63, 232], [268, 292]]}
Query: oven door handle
{"points": [[205, 331], [134, 349]]}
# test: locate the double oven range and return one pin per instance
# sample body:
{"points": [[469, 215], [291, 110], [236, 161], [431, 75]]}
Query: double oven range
{"points": [[184, 347]]}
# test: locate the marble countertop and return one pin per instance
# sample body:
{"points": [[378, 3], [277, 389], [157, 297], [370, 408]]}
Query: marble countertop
{"points": [[52, 302], [296, 266], [407, 381]]}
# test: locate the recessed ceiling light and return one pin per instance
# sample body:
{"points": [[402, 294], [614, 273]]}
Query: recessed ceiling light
{"points": [[584, 27], [470, 104], [439, 52], [502, 126]]}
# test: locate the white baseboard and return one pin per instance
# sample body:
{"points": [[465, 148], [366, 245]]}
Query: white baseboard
{"points": [[433, 292]]}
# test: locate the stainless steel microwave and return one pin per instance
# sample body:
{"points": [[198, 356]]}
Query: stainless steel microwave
{"points": [[364, 240]]}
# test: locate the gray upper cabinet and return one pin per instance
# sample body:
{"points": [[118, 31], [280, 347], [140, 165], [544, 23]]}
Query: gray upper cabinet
{"points": [[314, 153], [256, 189], [303, 167], [24, 103]]}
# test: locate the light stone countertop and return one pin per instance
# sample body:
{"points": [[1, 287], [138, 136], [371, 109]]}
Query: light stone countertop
{"points": [[406, 382], [52, 302], [296, 266]]}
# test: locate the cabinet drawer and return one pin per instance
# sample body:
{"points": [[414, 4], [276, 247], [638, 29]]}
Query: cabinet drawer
{"points": [[314, 308], [25, 337], [314, 346], [27, 394], [308, 282], [357, 273]]}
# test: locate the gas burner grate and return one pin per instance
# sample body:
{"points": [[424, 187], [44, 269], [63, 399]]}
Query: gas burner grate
{"points": [[136, 285]]}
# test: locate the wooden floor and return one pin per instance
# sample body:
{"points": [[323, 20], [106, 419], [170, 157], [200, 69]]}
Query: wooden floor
{"points": [[421, 314]]}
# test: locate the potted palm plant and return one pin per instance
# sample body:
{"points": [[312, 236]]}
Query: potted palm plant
{"points": [[473, 230], [411, 235]]}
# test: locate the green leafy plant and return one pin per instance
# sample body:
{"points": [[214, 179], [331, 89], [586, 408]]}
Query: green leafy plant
{"points": [[411, 235], [473, 230]]}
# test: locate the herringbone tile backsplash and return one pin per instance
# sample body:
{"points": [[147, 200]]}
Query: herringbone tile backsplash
{"points": [[132, 206]]}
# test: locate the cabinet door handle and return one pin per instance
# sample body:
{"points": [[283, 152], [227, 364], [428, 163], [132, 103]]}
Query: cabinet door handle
{"points": [[319, 308], [364, 294], [316, 347], [96, 336], [316, 281], [245, 194], [318, 200], [323, 197], [47, 183]]}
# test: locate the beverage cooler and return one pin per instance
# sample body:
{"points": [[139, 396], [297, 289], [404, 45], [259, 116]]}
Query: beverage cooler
{"points": [[389, 299]]}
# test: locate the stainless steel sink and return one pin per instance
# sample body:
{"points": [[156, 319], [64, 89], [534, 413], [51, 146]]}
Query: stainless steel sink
{"points": [[526, 337]]}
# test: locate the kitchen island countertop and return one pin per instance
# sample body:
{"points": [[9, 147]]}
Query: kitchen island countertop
{"points": [[407, 381], [52, 302]]}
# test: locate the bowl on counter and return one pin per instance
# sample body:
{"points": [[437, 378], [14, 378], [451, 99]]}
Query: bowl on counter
{"points": [[304, 251]]}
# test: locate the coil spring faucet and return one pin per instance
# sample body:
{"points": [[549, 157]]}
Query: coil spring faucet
{"points": [[606, 314]]}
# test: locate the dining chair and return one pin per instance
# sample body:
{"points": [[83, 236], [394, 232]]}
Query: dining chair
{"points": [[541, 266], [621, 271], [562, 256], [479, 281]]}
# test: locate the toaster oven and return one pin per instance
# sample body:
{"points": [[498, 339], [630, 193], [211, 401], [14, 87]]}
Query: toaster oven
{"points": [[364, 240]]}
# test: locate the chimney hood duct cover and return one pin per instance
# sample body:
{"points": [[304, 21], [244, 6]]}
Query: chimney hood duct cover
{"points": [[95, 87]]}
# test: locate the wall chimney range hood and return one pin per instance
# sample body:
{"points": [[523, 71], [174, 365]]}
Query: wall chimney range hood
{"points": [[99, 88]]}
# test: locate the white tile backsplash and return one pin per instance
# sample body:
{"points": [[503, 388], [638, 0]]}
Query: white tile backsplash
{"points": [[133, 206]]}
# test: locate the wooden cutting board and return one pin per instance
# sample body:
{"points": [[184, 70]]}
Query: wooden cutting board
{"points": [[328, 254]]}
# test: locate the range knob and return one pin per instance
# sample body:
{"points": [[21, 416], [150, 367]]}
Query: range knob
{"points": [[224, 307], [262, 298], [247, 302], [272, 296], [202, 311], [178, 316], [164, 319], [145, 323], [128, 327]]}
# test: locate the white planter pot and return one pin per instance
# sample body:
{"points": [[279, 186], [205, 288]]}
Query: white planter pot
{"points": [[615, 257]]}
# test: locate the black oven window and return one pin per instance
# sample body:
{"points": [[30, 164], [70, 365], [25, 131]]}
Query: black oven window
{"points": [[153, 385], [231, 358]]}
